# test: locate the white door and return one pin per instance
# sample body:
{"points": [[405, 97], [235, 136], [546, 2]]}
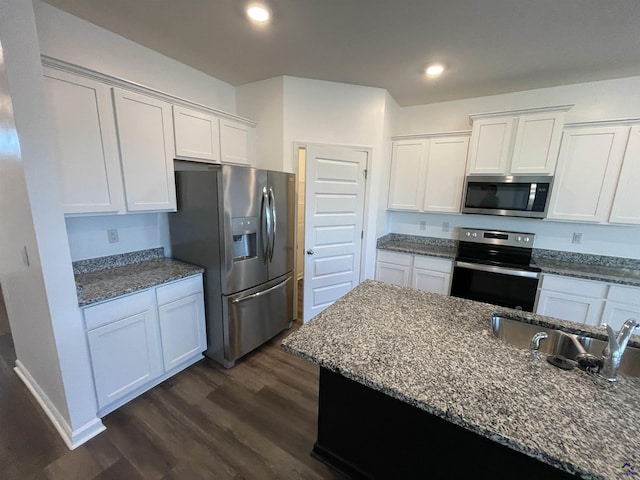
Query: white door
{"points": [[334, 210]]}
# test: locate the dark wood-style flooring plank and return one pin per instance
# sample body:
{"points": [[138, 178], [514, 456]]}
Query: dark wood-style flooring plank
{"points": [[257, 420]]}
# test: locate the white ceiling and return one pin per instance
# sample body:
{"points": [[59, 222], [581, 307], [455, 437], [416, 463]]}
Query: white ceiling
{"points": [[488, 46]]}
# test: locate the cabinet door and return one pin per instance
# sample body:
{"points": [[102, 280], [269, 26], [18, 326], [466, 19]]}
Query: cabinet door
{"points": [[490, 149], [392, 273], [615, 314], [197, 134], [588, 168], [537, 143], [570, 307], [626, 205], [145, 135], [85, 143], [237, 142], [182, 330], [408, 165], [431, 281], [125, 355], [446, 166]]}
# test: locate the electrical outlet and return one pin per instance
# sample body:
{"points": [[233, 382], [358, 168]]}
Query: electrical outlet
{"points": [[112, 235], [445, 227], [423, 224], [577, 237]]}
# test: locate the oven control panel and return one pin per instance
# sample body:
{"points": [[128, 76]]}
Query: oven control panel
{"points": [[495, 237]]}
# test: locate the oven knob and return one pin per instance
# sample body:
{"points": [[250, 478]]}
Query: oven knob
{"points": [[474, 234], [468, 234], [526, 239], [518, 238]]}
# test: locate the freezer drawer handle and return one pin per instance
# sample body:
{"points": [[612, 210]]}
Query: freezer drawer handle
{"points": [[257, 294]]}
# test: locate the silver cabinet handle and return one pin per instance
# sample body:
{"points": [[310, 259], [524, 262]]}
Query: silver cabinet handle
{"points": [[310, 252]]}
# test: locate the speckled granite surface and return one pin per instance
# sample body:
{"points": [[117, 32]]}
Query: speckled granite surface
{"points": [[438, 354], [431, 246], [98, 285], [120, 260], [624, 271]]}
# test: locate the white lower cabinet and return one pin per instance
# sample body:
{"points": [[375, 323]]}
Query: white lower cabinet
{"points": [[587, 301], [417, 271], [135, 342], [394, 268]]}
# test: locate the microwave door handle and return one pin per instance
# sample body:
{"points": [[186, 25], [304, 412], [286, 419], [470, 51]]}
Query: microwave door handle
{"points": [[532, 196], [274, 222]]}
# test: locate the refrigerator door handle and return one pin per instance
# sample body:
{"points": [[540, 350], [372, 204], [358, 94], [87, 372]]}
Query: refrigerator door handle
{"points": [[274, 222], [265, 227], [258, 294]]}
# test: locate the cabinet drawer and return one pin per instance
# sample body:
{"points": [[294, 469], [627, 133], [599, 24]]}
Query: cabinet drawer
{"points": [[179, 289], [432, 263], [396, 258], [624, 294], [584, 288], [113, 310]]}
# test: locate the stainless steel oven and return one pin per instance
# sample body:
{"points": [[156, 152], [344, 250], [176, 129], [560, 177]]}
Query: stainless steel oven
{"points": [[495, 267]]}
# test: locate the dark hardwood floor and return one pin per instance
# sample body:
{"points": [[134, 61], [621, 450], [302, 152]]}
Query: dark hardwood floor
{"points": [[257, 420]]}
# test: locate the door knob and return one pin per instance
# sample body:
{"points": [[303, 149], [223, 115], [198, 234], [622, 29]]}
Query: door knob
{"points": [[310, 251]]}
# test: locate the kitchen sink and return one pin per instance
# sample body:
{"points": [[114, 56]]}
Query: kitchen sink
{"points": [[519, 334]]}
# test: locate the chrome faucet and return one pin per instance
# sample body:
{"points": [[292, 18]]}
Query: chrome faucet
{"points": [[612, 354], [534, 345]]}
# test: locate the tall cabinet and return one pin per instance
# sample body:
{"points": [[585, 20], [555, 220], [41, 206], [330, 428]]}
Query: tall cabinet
{"points": [[598, 174]]}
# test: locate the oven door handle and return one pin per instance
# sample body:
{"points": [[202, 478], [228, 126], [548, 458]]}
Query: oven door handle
{"points": [[493, 269]]}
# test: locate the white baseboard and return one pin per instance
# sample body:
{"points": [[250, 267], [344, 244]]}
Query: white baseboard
{"points": [[73, 438]]}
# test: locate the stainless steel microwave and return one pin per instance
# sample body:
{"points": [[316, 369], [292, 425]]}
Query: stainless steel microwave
{"points": [[514, 196]]}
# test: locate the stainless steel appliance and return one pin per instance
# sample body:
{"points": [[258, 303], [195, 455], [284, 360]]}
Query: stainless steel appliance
{"points": [[237, 222], [495, 267], [515, 196]]}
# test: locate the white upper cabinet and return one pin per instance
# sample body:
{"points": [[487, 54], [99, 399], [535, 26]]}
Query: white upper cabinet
{"points": [[145, 135], [237, 142], [408, 165], [197, 135], [626, 204], [588, 169], [445, 170], [537, 143], [491, 141], [524, 142], [85, 143], [427, 174]]}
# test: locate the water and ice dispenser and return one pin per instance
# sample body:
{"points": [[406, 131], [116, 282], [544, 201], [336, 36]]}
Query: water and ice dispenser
{"points": [[244, 231]]}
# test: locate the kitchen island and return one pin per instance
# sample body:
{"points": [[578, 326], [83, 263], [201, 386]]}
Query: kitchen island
{"points": [[415, 383]]}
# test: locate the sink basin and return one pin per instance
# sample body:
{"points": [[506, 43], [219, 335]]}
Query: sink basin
{"points": [[519, 334]]}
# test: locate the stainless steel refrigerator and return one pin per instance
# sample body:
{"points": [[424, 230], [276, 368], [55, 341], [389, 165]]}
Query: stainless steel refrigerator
{"points": [[238, 223]]}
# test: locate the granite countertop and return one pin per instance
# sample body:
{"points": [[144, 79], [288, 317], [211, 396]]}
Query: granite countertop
{"points": [[116, 278], [602, 268], [438, 353]]}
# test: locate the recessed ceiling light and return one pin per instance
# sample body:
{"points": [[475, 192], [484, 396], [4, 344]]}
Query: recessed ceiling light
{"points": [[258, 13], [434, 70]]}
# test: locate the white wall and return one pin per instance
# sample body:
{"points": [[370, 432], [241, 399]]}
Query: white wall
{"points": [[263, 102], [391, 114], [76, 41], [602, 100], [88, 235], [317, 111], [617, 241], [45, 320]]}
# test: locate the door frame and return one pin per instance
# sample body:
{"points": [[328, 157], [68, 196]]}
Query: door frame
{"points": [[297, 145]]}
